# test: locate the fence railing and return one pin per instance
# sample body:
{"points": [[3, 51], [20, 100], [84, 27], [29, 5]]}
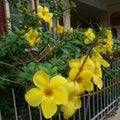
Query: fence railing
{"points": [[95, 105]]}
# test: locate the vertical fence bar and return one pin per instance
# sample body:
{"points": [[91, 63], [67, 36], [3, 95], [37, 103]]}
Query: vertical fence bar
{"points": [[107, 92], [30, 115], [74, 117], [50, 118], [101, 104], [104, 96], [93, 105], [40, 113], [0, 116], [84, 108], [59, 117], [14, 103], [79, 112], [89, 107], [97, 104]]}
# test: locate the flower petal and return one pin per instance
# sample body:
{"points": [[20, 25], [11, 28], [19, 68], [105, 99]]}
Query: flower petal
{"points": [[57, 81], [41, 79], [98, 70], [72, 87], [89, 86], [81, 88], [61, 95], [77, 102], [34, 97], [40, 8], [86, 75], [68, 110], [74, 63], [105, 63], [49, 108], [98, 81], [72, 74]]}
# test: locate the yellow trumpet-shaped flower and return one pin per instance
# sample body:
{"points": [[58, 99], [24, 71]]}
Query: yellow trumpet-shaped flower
{"points": [[43, 13], [77, 63], [49, 92], [105, 45], [32, 37], [101, 49], [90, 36], [74, 101], [89, 33], [83, 79], [99, 59], [59, 29], [97, 74]]}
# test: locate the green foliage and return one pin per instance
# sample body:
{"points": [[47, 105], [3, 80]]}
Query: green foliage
{"points": [[19, 61], [58, 7]]}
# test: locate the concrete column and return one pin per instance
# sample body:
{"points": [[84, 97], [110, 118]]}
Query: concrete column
{"points": [[7, 9], [66, 18], [31, 4]]}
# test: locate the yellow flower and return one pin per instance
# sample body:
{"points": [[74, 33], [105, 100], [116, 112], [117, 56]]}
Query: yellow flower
{"points": [[76, 63], [97, 74], [50, 92], [83, 79], [59, 29], [85, 75], [87, 40], [32, 37], [97, 57], [90, 36], [101, 49], [105, 45], [74, 101], [43, 13]]}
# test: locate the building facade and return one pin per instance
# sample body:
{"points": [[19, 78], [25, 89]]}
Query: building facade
{"points": [[102, 12], [6, 11]]}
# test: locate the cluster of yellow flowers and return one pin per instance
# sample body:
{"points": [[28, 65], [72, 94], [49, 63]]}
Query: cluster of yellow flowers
{"points": [[104, 45], [44, 14], [50, 92], [32, 35], [89, 36]]}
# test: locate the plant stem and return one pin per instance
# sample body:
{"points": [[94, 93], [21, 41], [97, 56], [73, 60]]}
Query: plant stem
{"points": [[3, 63], [11, 81]]}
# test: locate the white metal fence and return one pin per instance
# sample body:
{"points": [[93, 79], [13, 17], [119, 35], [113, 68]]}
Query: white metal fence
{"points": [[95, 106]]}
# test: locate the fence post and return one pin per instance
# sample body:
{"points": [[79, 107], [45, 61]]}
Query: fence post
{"points": [[14, 102], [0, 116]]}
